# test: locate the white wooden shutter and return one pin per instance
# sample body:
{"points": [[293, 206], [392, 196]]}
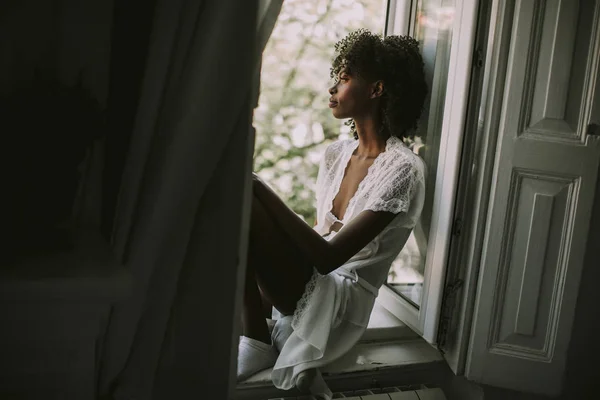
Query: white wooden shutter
{"points": [[541, 197]]}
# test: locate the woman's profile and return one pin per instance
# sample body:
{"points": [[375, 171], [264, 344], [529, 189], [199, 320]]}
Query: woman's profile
{"points": [[369, 195]]}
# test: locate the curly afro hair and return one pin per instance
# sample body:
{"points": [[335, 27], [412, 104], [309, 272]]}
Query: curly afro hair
{"points": [[396, 61]]}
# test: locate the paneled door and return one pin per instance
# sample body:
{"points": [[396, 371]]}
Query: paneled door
{"points": [[542, 194]]}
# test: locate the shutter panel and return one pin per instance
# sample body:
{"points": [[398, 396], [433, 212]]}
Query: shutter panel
{"points": [[541, 198]]}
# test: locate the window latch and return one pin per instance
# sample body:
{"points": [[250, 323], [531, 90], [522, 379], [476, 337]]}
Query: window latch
{"points": [[457, 227], [478, 58]]}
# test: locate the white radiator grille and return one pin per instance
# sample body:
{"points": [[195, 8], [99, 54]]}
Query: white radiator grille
{"points": [[392, 393]]}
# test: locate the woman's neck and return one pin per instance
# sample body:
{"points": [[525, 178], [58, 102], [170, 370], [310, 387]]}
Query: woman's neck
{"points": [[371, 141]]}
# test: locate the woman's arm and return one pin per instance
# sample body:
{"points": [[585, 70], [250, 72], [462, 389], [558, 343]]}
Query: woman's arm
{"points": [[325, 255]]}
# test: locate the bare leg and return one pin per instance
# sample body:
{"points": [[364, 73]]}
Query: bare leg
{"points": [[253, 321], [279, 269], [267, 306]]}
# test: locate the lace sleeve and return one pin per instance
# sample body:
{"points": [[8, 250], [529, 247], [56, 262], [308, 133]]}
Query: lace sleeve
{"points": [[397, 192]]}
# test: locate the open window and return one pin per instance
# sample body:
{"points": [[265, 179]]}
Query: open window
{"points": [[509, 138], [293, 126], [414, 287]]}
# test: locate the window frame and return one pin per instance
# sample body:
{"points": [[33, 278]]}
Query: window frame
{"points": [[400, 20]]}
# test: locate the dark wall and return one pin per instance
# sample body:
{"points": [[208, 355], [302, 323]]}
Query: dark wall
{"points": [[583, 363], [69, 36], [68, 41], [102, 45]]}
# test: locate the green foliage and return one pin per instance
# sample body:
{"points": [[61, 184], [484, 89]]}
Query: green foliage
{"points": [[293, 122]]}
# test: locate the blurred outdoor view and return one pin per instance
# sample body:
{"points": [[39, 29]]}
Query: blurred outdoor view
{"points": [[294, 124]]}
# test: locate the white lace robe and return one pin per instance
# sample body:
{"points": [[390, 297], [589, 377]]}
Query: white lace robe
{"points": [[335, 308]]}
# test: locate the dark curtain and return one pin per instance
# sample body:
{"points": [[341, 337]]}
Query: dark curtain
{"points": [[180, 217], [130, 38]]}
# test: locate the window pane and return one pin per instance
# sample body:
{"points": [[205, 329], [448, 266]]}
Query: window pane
{"points": [[433, 30], [293, 121]]}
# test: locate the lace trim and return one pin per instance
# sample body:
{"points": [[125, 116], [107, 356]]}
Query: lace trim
{"points": [[378, 160], [337, 178], [303, 303], [393, 207], [324, 177], [398, 196], [397, 167]]}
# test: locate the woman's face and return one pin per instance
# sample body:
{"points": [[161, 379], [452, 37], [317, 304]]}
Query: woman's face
{"points": [[351, 96]]}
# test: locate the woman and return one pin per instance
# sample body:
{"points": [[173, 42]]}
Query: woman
{"points": [[369, 196]]}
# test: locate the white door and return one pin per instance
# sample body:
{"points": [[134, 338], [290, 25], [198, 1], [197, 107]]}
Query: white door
{"points": [[542, 192]]}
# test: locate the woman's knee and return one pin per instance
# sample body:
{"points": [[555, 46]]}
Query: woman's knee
{"points": [[259, 218]]}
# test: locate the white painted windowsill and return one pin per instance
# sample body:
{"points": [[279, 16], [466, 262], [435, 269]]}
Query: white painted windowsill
{"points": [[383, 325], [396, 363], [387, 343]]}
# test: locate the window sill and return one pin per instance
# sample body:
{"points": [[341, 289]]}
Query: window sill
{"points": [[390, 363], [87, 272], [368, 357], [388, 344], [383, 325]]}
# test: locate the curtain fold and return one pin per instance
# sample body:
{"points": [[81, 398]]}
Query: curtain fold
{"points": [[180, 225]]}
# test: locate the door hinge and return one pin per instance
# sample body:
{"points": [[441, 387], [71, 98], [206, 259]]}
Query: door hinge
{"points": [[448, 304], [457, 227]]}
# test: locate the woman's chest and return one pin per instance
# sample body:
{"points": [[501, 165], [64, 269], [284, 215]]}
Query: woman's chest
{"points": [[355, 173]]}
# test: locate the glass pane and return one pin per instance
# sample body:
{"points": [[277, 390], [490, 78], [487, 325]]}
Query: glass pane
{"points": [[293, 121], [433, 29]]}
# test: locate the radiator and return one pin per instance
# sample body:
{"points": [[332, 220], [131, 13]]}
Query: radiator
{"points": [[391, 393]]}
